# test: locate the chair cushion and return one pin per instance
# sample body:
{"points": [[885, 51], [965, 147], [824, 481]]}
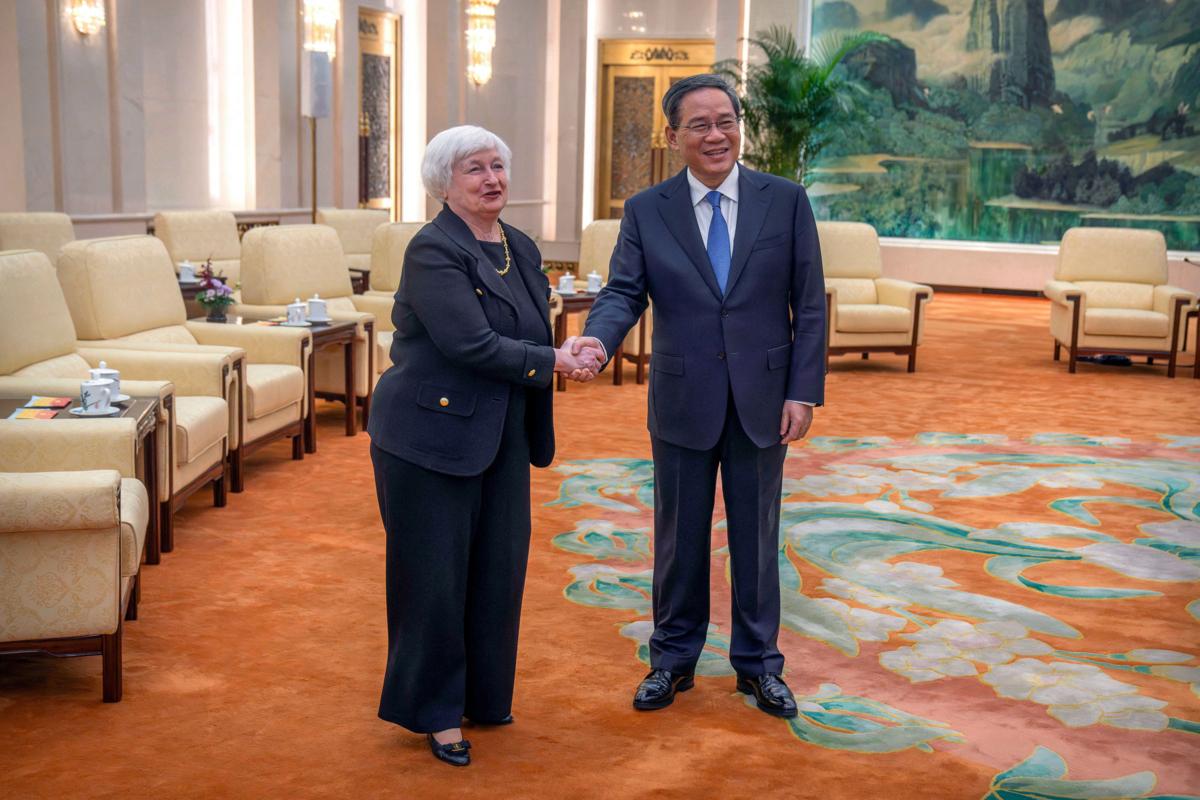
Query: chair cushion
{"points": [[283, 262], [168, 334], [199, 422], [1125, 322], [849, 250], [119, 285], [1112, 254], [597, 245], [388, 244], [45, 232], [197, 236], [72, 365], [355, 227], [855, 291], [270, 387], [383, 343], [35, 323], [1116, 294], [343, 304], [135, 514], [856, 318]]}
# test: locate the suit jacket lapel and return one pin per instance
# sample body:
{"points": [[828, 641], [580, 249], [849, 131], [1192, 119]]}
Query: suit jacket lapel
{"points": [[457, 230], [754, 197], [675, 207]]}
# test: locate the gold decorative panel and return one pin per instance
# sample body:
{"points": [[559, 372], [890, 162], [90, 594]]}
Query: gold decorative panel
{"points": [[633, 118], [379, 109], [633, 152]]}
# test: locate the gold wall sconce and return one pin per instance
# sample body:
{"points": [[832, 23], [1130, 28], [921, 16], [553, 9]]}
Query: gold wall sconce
{"points": [[481, 39], [87, 16], [320, 26]]}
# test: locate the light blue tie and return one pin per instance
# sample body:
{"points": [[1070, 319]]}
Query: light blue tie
{"points": [[718, 241]]}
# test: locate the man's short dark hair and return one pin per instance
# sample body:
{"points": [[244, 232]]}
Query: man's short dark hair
{"points": [[673, 99]]}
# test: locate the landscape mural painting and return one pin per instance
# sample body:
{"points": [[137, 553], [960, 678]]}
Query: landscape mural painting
{"points": [[1014, 120]]}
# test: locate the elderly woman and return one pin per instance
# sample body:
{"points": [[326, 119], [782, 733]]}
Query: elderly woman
{"points": [[454, 427]]}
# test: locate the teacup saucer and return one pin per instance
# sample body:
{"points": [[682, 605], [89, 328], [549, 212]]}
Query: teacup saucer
{"points": [[296, 324], [192, 282], [122, 398], [565, 293], [106, 412], [320, 319]]}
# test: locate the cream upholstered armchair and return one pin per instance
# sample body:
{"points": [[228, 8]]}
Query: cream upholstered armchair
{"points": [[45, 232], [595, 254], [193, 415], [73, 522], [197, 236], [1110, 295], [122, 294], [388, 244], [280, 264], [355, 229], [866, 312]]}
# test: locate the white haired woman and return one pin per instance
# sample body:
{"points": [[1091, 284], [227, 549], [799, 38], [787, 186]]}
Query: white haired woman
{"points": [[455, 425]]}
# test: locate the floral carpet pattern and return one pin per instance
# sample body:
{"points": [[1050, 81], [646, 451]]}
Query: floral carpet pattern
{"points": [[959, 585]]}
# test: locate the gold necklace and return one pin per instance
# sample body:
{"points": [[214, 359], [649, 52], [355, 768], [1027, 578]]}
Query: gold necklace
{"points": [[507, 254]]}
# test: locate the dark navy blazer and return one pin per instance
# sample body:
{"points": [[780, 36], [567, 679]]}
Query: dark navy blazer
{"points": [[455, 355], [765, 338]]}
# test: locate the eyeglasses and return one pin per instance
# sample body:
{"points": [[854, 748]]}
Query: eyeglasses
{"points": [[726, 125]]}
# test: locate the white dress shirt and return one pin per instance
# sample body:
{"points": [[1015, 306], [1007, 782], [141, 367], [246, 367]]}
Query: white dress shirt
{"points": [[704, 210]]}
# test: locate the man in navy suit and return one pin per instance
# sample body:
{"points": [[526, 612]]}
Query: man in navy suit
{"points": [[731, 261]]}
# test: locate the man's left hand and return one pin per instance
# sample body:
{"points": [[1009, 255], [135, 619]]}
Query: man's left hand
{"points": [[796, 419]]}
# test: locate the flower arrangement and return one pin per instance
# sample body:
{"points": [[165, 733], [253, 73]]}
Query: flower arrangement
{"points": [[215, 295]]}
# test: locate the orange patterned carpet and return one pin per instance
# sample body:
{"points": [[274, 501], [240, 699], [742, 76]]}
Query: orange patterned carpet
{"points": [[991, 571]]}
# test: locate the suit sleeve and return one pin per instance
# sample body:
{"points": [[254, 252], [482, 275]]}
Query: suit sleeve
{"points": [[806, 375], [621, 303], [443, 298]]}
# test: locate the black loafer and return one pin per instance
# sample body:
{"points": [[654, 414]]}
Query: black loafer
{"points": [[657, 690], [457, 754], [772, 694]]}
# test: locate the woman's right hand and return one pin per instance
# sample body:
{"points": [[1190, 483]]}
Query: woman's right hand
{"points": [[582, 367]]}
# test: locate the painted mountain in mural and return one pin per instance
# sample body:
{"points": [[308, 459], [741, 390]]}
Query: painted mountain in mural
{"points": [[1016, 35], [1013, 120]]}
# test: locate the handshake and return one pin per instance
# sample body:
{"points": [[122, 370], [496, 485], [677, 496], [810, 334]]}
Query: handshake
{"points": [[580, 358]]}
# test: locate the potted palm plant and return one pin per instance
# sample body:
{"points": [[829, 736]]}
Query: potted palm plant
{"points": [[788, 97]]}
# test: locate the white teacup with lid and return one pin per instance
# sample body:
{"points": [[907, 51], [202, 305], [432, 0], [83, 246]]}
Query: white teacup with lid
{"points": [[595, 281], [104, 372], [296, 312], [566, 283], [318, 311], [96, 395], [187, 272]]}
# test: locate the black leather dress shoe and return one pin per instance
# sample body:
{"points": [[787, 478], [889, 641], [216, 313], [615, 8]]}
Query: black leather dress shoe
{"points": [[772, 694], [657, 690], [457, 754]]}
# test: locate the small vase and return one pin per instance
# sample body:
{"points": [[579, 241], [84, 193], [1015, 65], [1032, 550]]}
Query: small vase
{"points": [[216, 314]]}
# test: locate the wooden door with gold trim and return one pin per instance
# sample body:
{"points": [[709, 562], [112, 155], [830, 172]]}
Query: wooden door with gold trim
{"points": [[633, 154]]}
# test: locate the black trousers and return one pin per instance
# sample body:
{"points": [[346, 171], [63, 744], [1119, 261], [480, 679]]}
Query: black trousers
{"points": [[684, 490], [457, 549]]}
